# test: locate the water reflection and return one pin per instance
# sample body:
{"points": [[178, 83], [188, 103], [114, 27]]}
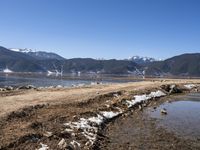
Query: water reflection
{"points": [[183, 116], [43, 80]]}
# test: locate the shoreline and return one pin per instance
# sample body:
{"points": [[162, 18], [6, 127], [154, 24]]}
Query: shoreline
{"points": [[92, 102], [138, 129], [30, 95]]}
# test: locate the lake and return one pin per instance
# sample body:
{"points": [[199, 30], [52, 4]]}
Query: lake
{"points": [[43, 80]]}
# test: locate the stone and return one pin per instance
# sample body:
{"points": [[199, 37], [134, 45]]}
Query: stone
{"points": [[9, 88], [62, 144], [48, 134], [27, 87], [163, 111]]}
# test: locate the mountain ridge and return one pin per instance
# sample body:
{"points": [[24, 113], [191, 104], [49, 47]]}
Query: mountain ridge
{"points": [[182, 65], [187, 64], [28, 63], [38, 54]]}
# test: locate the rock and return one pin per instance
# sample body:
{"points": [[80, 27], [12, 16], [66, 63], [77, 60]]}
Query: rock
{"points": [[64, 134], [174, 89], [166, 87], [144, 105], [140, 107], [8, 88], [163, 111], [31, 87], [74, 145], [62, 144], [48, 134], [27, 87], [43, 147], [171, 89]]}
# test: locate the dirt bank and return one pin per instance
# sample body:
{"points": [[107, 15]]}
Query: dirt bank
{"points": [[137, 130], [58, 117], [14, 100]]}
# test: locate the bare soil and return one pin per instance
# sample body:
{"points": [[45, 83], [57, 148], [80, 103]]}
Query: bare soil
{"points": [[26, 116], [138, 131]]}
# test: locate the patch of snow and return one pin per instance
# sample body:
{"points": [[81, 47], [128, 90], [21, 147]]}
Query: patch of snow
{"points": [[89, 127], [98, 120], [141, 98], [144, 59], [50, 73], [25, 50], [189, 86], [44, 147], [141, 59], [109, 114], [59, 86], [89, 131], [157, 94], [7, 70]]}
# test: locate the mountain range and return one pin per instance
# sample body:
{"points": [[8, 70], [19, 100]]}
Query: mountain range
{"points": [[38, 54], [27, 60], [19, 60], [182, 65]]}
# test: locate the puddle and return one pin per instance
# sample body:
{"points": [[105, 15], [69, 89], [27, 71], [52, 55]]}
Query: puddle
{"points": [[183, 116]]}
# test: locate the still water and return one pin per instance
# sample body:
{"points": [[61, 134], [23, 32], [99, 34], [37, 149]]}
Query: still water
{"points": [[42, 80], [183, 116]]}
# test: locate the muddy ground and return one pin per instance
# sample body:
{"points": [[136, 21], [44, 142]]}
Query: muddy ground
{"points": [[137, 130], [29, 118]]}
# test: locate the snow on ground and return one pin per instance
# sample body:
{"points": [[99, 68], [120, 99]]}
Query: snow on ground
{"points": [[89, 131], [157, 94], [44, 147], [189, 86], [98, 120], [7, 70], [89, 127], [141, 98], [109, 114]]}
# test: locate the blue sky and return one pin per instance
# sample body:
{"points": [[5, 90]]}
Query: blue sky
{"points": [[102, 28]]}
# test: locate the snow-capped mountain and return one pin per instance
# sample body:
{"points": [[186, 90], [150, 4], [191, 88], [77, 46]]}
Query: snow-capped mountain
{"points": [[38, 54], [142, 60], [25, 50]]}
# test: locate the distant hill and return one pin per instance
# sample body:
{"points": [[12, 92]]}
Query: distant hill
{"points": [[18, 62], [182, 65], [38, 54], [28, 61], [88, 65], [102, 66]]}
